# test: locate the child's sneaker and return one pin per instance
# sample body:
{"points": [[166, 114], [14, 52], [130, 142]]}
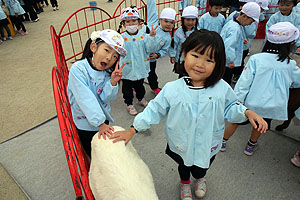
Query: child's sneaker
{"points": [[10, 37], [131, 109], [1, 41], [4, 38], [185, 192], [200, 187], [54, 8], [25, 33], [156, 91], [223, 148], [249, 150], [296, 159], [57, 8], [142, 102]]}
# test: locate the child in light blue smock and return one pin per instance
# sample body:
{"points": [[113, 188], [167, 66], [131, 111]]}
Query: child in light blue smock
{"points": [[201, 5], [93, 83], [233, 35], [166, 24], [296, 9], [213, 20], [250, 33], [139, 45], [16, 13], [189, 21], [264, 84], [3, 25], [286, 14], [195, 107], [273, 8]]}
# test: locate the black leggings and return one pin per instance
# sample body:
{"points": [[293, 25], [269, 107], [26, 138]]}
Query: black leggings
{"points": [[185, 171], [18, 22], [86, 139], [127, 90]]}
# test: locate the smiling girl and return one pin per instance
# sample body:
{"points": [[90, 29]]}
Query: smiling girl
{"points": [[195, 108], [93, 83]]}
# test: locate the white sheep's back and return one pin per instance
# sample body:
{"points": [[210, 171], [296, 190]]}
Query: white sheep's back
{"points": [[118, 173]]}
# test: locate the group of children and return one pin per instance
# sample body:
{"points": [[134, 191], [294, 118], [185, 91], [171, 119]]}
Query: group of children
{"points": [[20, 11], [198, 103]]}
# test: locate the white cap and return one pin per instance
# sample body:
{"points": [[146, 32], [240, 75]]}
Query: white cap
{"points": [[112, 38], [168, 13], [246, 1], [282, 32], [252, 10], [190, 12], [263, 4]]}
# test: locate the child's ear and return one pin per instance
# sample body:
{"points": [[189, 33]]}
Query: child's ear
{"points": [[93, 47], [183, 56]]}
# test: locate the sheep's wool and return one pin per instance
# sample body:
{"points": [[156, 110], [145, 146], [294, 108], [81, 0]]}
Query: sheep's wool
{"points": [[118, 173]]}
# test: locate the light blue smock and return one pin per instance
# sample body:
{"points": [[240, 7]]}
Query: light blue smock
{"points": [[278, 17], [179, 38], [297, 113], [163, 37], [273, 8], [90, 92], [14, 7], [2, 13], [296, 9], [233, 36], [183, 3], [250, 30], [264, 85], [211, 23], [138, 48], [202, 5], [194, 123]]}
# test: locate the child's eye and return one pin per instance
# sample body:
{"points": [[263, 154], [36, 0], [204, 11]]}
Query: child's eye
{"points": [[195, 55], [210, 60], [106, 50], [116, 57]]}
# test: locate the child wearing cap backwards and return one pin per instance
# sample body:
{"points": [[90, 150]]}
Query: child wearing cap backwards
{"points": [[267, 75], [213, 20], [139, 45], [286, 14], [189, 21], [234, 36], [93, 83], [167, 22], [250, 33]]}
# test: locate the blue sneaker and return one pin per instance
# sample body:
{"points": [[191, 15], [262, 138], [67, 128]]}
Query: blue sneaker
{"points": [[249, 150], [223, 148]]}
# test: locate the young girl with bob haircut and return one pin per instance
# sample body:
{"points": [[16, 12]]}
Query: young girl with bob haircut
{"points": [[189, 23], [93, 83], [195, 108], [266, 79]]}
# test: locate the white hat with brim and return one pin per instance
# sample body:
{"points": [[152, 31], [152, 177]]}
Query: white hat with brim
{"points": [[252, 10], [112, 38], [190, 12], [263, 4], [282, 32], [168, 13]]}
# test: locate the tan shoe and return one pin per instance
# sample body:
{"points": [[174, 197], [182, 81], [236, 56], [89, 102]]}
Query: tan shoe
{"points": [[131, 110]]}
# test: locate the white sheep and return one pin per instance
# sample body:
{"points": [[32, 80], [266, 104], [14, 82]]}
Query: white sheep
{"points": [[118, 173]]}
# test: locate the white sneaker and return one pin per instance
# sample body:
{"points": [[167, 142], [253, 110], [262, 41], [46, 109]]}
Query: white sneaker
{"points": [[131, 109], [57, 8], [200, 187], [1, 41], [10, 37], [54, 8], [142, 102], [4, 38]]}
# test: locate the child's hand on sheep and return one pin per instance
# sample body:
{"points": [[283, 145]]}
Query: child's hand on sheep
{"points": [[123, 135], [104, 130]]}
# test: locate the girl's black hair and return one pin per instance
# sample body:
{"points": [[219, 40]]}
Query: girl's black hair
{"points": [[202, 40], [216, 3], [184, 27], [283, 50], [172, 36], [88, 54], [145, 23]]}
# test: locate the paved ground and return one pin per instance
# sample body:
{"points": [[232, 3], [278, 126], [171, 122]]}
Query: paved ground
{"points": [[37, 161]]}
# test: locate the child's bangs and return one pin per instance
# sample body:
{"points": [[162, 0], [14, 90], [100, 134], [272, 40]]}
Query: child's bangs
{"points": [[205, 48]]}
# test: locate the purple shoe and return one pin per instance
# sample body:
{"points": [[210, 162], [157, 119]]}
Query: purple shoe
{"points": [[249, 150]]}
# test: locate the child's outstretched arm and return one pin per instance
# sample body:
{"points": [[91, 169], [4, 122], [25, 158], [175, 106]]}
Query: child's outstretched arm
{"points": [[255, 120], [152, 15], [123, 135]]}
